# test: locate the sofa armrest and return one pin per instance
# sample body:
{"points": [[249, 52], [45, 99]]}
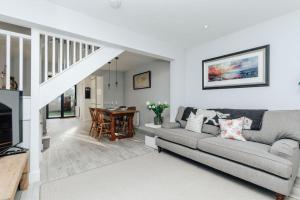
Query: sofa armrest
{"points": [[170, 125], [285, 148]]}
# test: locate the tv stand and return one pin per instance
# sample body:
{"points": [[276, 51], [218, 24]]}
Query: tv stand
{"points": [[14, 171]]}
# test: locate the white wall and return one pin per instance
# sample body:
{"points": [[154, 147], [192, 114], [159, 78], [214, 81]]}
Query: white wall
{"points": [[82, 103], [96, 99], [283, 35], [159, 91], [113, 94]]}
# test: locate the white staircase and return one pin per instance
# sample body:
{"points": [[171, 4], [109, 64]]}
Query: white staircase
{"points": [[67, 61]]}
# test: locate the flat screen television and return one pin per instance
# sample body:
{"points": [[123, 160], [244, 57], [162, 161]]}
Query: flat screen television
{"points": [[10, 119]]}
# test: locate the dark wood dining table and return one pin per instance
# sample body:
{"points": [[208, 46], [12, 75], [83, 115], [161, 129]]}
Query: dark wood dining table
{"points": [[113, 114]]}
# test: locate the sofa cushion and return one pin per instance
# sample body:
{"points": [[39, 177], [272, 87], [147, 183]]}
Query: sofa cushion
{"points": [[253, 118], [194, 123], [179, 117], [181, 136], [285, 148], [232, 128], [252, 154], [276, 125], [170, 125], [214, 130]]}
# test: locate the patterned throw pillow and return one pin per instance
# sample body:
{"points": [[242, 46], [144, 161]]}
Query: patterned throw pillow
{"points": [[232, 128], [194, 123]]}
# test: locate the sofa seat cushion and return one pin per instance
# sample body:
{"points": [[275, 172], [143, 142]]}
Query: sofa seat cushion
{"points": [[181, 136], [252, 154]]}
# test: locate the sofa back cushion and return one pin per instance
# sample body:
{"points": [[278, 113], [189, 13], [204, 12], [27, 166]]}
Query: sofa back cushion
{"points": [[253, 118], [179, 117], [210, 129], [282, 124]]}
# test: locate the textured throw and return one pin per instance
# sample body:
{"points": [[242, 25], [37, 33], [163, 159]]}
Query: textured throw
{"points": [[252, 118], [187, 112]]}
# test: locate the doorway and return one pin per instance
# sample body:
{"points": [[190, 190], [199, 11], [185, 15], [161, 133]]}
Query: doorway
{"points": [[63, 106]]}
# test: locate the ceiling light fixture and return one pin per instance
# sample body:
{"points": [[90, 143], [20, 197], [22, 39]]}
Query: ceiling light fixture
{"points": [[116, 4], [205, 26], [116, 72], [108, 85]]}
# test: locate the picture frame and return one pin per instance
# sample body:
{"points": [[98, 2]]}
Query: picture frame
{"points": [[248, 68], [142, 80]]}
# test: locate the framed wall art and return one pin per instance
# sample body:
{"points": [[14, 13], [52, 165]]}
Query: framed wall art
{"points": [[142, 80], [249, 68]]}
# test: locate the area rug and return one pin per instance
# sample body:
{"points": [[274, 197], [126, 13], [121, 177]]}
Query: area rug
{"points": [[153, 176]]}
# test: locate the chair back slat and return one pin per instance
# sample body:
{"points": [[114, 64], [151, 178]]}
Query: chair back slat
{"points": [[93, 114], [99, 116]]}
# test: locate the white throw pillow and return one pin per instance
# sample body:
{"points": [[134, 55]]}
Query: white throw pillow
{"points": [[194, 123], [232, 128]]}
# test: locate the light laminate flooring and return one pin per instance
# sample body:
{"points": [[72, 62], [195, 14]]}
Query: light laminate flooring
{"points": [[73, 151]]}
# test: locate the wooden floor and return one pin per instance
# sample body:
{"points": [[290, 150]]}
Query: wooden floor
{"points": [[73, 151]]}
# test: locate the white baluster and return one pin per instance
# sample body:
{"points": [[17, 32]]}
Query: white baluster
{"points": [[53, 56], [21, 63], [68, 53], [61, 55], [74, 52], [86, 50], [80, 51], [7, 62], [46, 58]]}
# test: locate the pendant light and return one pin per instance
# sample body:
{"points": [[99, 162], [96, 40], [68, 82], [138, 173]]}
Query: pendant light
{"points": [[117, 71], [108, 75]]}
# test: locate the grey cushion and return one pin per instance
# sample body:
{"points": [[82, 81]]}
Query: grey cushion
{"points": [[285, 148], [210, 129], [276, 125], [170, 125], [179, 116], [252, 154], [181, 136]]}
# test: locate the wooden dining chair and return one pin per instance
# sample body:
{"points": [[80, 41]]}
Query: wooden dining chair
{"points": [[126, 121], [94, 124], [103, 125]]}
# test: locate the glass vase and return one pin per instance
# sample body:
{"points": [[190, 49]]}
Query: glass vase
{"points": [[158, 120]]}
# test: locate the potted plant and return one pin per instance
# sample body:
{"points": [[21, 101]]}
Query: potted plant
{"points": [[158, 109]]}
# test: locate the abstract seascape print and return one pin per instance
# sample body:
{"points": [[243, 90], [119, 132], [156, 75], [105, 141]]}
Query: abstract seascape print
{"points": [[237, 69]]}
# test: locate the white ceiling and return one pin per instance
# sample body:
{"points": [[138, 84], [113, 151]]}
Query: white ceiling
{"points": [[128, 61], [181, 21]]}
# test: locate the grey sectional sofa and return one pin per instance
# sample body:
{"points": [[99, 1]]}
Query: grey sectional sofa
{"points": [[269, 157]]}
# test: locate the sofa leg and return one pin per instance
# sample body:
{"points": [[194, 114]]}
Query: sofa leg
{"points": [[159, 149], [280, 196]]}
